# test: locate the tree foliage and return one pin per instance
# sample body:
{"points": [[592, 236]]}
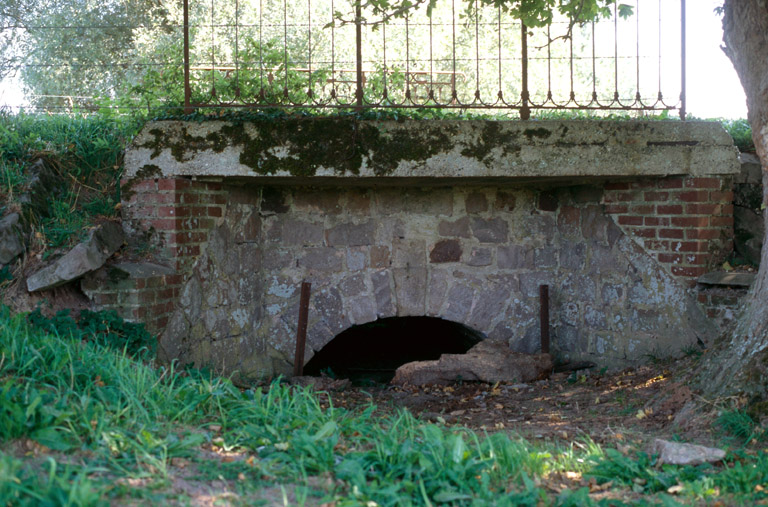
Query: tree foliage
{"points": [[533, 13]]}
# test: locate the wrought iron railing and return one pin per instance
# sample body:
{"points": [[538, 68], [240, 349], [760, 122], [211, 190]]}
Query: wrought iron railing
{"points": [[276, 53]]}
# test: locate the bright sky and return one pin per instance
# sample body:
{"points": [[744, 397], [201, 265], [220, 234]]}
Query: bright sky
{"points": [[713, 88]]}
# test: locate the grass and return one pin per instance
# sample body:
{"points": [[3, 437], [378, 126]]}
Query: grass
{"points": [[98, 418], [86, 154]]}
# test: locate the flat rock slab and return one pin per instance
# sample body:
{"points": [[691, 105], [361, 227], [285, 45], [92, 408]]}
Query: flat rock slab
{"points": [[726, 278], [11, 244], [675, 453], [488, 361], [85, 257]]}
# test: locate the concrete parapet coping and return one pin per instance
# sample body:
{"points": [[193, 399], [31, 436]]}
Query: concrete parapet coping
{"points": [[336, 150]]}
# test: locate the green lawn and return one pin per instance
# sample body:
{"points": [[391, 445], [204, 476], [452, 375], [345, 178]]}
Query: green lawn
{"points": [[82, 424]]}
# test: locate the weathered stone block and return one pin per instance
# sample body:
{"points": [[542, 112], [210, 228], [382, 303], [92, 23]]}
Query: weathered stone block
{"points": [[595, 317], [358, 201], [352, 286], [447, 250], [322, 259], [382, 292], [380, 257], [514, 257], [612, 293], [530, 282], [480, 257], [11, 244], [324, 202], [457, 228], [545, 257], [361, 309], [296, 232], [547, 201], [410, 295], [432, 202], [85, 257], [328, 304], [492, 230], [505, 201], [542, 226], [409, 253], [356, 258], [476, 202], [572, 255], [460, 299], [490, 304], [350, 234]]}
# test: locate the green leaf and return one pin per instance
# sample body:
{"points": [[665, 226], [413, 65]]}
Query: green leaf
{"points": [[458, 449], [445, 496], [326, 431], [51, 438]]}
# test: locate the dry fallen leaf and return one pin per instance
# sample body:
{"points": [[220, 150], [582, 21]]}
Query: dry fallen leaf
{"points": [[676, 489]]}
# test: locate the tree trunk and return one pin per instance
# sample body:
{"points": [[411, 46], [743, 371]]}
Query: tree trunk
{"points": [[739, 363]]}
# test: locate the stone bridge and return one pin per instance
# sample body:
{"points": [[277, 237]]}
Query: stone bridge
{"points": [[458, 220]]}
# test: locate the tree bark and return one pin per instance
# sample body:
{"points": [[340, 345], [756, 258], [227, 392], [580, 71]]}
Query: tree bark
{"points": [[739, 362]]}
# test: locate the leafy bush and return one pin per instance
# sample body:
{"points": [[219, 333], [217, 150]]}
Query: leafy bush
{"points": [[105, 328], [741, 132]]}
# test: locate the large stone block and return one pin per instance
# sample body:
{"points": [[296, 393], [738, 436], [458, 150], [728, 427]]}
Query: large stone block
{"points": [[515, 257], [350, 234], [410, 291], [322, 259], [491, 230]]}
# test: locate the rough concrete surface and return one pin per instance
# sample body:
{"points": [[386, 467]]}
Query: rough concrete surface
{"points": [[437, 151]]}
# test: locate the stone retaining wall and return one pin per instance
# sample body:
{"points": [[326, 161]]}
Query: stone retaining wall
{"points": [[465, 229]]}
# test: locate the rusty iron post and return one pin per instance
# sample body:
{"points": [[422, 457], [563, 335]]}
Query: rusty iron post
{"points": [[525, 109], [544, 317], [682, 60], [187, 88], [301, 331], [358, 57]]}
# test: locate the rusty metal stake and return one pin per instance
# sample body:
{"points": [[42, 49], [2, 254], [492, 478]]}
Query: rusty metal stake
{"points": [[525, 109], [544, 317], [301, 332]]}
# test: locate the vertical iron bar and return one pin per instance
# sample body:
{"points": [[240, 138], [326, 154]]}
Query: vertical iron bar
{"points": [[309, 46], [594, 70], [237, 49], [431, 94], [525, 110], [682, 60], [638, 97], [187, 87], [477, 52], [213, 52], [659, 53], [285, 48], [454, 93], [301, 331], [407, 60], [500, 94], [385, 95], [261, 58], [544, 317], [333, 52], [615, 54], [358, 56]]}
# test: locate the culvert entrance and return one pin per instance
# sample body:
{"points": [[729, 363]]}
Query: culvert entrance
{"points": [[372, 352]]}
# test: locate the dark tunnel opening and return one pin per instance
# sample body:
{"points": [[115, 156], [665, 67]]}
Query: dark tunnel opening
{"points": [[372, 352]]}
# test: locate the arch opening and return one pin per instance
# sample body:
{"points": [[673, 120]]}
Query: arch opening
{"points": [[371, 352]]}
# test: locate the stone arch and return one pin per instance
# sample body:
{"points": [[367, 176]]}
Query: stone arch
{"points": [[374, 350]]}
